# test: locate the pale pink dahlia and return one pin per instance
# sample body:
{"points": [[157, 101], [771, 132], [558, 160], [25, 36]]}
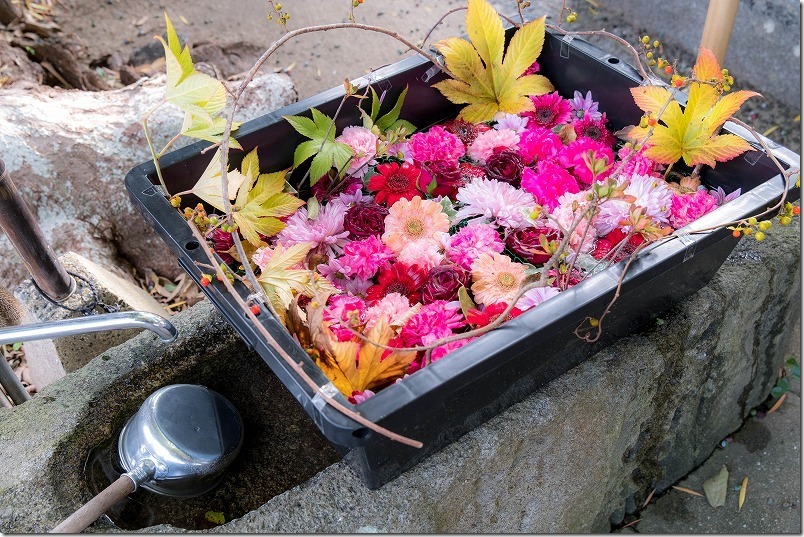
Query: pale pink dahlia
{"points": [[425, 254], [651, 193], [365, 257], [496, 278], [486, 142], [589, 160], [325, 233], [364, 145], [394, 306], [689, 207], [466, 245], [495, 201], [550, 109], [412, 221], [343, 312], [548, 183], [570, 207], [538, 144], [435, 145]]}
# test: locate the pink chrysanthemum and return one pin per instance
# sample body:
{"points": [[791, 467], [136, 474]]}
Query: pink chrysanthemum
{"points": [[365, 257], [325, 233], [570, 206], [550, 109], [486, 142], [510, 121], [435, 145], [364, 144], [342, 312], [425, 254], [589, 160], [334, 272], [466, 245], [495, 201], [539, 144], [637, 163], [437, 319], [443, 350], [689, 207], [594, 129], [394, 306], [536, 296], [651, 193], [412, 221], [548, 183], [496, 278]]}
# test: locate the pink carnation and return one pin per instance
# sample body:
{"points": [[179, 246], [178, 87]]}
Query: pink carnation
{"points": [[365, 257], [583, 155], [689, 207], [637, 163], [333, 271], [538, 144], [548, 183], [443, 350], [344, 311], [466, 245], [393, 306], [426, 255], [364, 144], [486, 142], [433, 321], [435, 145]]}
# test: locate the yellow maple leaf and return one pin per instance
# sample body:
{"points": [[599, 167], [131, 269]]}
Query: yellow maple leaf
{"points": [[357, 366], [691, 134], [483, 79]]}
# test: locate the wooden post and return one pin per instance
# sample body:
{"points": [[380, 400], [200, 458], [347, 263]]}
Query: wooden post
{"points": [[718, 26]]}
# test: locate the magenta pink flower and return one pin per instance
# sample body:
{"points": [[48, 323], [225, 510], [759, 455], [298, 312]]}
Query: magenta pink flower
{"points": [[344, 311], [589, 160], [466, 245], [550, 110], [486, 143], [637, 163], [689, 207], [325, 233], [548, 183], [443, 350], [594, 129], [364, 144], [436, 320], [435, 145], [365, 257], [538, 144]]}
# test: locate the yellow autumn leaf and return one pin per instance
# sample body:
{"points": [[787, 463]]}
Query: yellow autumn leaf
{"points": [[279, 280], [482, 77], [209, 185], [357, 366]]}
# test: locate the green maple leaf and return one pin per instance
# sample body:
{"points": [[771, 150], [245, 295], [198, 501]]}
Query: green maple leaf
{"points": [[485, 80], [261, 202], [326, 152]]}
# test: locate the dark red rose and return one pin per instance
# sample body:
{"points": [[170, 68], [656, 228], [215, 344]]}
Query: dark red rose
{"points": [[470, 172], [467, 132], [365, 218], [448, 178], [526, 243], [222, 242], [443, 283], [327, 188], [506, 166]]}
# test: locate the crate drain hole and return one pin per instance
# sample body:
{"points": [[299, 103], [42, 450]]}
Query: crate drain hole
{"points": [[191, 245], [614, 60], [360, 433]]}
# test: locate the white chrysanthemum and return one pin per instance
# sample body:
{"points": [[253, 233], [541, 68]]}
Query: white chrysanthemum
{"points": [[495, 201], [651, 193]]}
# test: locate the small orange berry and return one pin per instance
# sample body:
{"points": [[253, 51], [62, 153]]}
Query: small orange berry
{"points": [[736, 233], [668, 70], [255, 309], [652, 121], [796, 210], [205, 280]]}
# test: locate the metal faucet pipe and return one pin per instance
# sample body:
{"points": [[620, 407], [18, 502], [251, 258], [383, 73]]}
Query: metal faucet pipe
{"points": [[93, 323], [22, 229]]}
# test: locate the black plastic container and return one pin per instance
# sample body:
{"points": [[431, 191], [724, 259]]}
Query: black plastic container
{"points": [[456, 394]]}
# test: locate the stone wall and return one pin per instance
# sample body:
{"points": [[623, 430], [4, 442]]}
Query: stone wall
{"points": [[572, 457]]}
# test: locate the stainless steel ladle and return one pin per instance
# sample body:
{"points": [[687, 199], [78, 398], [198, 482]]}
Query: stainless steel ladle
{"points": [[178, 444]]}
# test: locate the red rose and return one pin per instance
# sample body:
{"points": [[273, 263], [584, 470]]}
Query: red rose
{"points": [[506, 166], [527, 244], [443, 283], [365, 218]]}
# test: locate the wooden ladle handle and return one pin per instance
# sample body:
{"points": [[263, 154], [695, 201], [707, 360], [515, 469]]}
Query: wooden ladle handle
{"points": [[94, 508]]}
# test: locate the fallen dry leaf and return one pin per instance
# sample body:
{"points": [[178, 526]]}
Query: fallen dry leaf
{"points": [[776, 405], [688, 491], [716, 487], [743, 490], [649, 498]]}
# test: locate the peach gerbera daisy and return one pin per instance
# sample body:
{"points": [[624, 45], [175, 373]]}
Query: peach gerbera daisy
{"points": [[496, 278], [414, 221]]}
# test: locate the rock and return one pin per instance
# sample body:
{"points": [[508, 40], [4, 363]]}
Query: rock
{"points": [[18, 68], [129, 75], [575, 456], [231, 59], [68, 153]]}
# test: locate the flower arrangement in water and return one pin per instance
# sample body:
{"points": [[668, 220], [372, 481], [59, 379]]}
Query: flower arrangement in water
{"points": [[413, 243]]}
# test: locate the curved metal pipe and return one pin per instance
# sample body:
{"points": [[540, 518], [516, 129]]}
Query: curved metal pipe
{"points": [[94, 323]]}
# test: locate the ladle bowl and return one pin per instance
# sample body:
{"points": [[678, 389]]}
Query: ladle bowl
{"points": [[178, 444]]}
